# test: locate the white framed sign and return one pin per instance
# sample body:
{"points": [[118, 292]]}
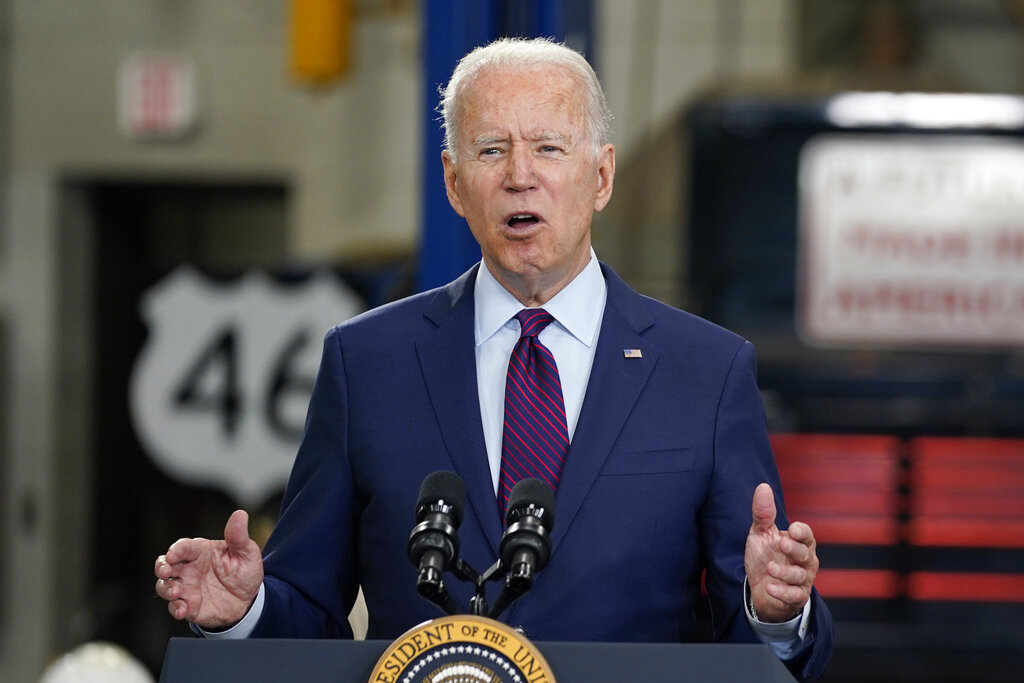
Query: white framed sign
{"points": [[219, 392], [911, 240], [156, 95]]}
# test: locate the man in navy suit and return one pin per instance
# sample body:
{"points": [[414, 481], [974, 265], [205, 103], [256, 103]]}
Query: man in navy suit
{"points": [[669, 475]]}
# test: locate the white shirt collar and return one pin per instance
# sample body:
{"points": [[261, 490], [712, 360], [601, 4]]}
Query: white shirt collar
{"points": [[577, 308]]}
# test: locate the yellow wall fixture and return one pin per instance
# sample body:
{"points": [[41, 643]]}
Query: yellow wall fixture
{"points": [[320, 39]]}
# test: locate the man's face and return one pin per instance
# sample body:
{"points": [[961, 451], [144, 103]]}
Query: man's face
{"points": [[527, 179]]}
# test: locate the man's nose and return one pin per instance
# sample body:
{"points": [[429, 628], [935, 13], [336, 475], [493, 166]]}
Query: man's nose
{"points": [[520, 172]]}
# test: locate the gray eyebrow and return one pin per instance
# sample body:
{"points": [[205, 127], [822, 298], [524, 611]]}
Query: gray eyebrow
{"points": [[546, 137], [486, 140]]}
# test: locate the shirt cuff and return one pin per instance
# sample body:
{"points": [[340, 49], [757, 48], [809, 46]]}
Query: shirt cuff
{"points": [[244, 628], [784, 637]]}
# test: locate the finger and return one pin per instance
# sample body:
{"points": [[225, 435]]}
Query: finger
{"points": [[763, 508], [789, 574], [160, 568], [166, 570], [178, 609], [168, 590], [236, 531], [793, 597], [801, 532], [795, 551], [184, 550]]}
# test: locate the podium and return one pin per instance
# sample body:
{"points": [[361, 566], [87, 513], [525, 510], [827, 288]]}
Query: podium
{"points": [[195, 660]]}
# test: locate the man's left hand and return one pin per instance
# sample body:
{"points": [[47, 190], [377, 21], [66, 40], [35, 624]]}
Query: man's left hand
{"points": [[781, 565]]}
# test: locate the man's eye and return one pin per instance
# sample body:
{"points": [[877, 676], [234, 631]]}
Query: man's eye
{"points": [[489, 151]]}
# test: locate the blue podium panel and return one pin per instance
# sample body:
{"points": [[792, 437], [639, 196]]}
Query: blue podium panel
{"points": [[192, 660]]}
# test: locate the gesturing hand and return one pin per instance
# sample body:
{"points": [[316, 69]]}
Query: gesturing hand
{"points": [[781, 565], [211, 583]]}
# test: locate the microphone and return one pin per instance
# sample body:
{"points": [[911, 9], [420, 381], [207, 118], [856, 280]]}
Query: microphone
{"points": [[433, 543], [526, 545]]}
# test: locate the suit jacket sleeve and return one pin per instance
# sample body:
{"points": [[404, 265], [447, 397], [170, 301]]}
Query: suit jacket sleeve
{"points": [[743, 454], [309, 562]]}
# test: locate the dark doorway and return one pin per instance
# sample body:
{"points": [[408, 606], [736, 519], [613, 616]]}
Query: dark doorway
{"points": [[140, 232]]}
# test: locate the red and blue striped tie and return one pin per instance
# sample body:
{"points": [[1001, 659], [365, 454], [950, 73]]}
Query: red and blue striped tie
{"points": [[535, 439]]}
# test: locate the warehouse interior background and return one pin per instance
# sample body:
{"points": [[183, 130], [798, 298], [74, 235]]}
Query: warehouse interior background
{"points": [[150, 147]]}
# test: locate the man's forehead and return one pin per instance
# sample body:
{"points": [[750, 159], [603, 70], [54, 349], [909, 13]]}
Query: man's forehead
{"points": [[537, 107], [551, 85]]}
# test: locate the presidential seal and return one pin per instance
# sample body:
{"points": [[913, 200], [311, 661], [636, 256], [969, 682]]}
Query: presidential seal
{"points": [[461, 649]]}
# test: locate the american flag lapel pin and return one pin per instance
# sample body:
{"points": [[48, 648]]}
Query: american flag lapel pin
{"points": [[632, 353]]}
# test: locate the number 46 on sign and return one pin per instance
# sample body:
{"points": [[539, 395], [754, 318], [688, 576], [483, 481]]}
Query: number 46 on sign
{"points": [[219, 391]]}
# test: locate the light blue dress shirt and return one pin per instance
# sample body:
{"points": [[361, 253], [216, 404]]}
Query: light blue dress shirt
{"points": [[578, 310]]}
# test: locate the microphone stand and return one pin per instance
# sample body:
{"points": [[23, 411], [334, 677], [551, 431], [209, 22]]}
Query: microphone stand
{"points": [[517, 583], [478, 603]]}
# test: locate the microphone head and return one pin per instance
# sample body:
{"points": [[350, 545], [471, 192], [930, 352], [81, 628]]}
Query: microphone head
{"points": [[531, 493], [442, 487]]}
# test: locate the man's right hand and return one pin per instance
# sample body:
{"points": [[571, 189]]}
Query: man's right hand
{"points": [[211, 583]]}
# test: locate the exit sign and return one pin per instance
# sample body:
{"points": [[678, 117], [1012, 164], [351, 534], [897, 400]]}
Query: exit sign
{"points": [[156, 95]]}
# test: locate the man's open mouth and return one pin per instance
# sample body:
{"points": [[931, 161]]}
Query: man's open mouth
{"points": [[520, 219]]}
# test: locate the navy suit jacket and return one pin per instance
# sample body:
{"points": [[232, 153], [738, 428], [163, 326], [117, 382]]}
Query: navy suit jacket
{"points": [[656, 488]]}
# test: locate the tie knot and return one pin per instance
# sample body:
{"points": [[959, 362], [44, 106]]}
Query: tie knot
{"points": [[533, 321]]}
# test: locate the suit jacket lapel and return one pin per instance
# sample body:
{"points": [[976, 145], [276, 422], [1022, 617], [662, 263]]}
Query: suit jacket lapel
{"points": [[614, 386], [448, 360]]}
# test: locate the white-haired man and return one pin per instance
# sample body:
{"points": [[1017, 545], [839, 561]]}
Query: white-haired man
{"points": [[666, 473]]}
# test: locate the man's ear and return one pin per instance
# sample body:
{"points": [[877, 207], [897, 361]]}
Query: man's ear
{"points": [[450, 184], [605, 177]]}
